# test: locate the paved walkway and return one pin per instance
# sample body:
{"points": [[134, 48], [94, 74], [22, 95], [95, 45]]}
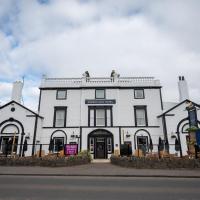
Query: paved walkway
{"points": [[98, 169]]}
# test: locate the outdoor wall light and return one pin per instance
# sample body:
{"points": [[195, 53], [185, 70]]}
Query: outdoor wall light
{"points": [[127, 134], [173, 135]]}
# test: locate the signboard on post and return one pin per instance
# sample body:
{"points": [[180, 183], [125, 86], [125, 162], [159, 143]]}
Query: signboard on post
{"points": [[71, 149]]}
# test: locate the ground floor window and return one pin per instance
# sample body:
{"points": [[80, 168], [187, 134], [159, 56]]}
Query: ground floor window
{"points": [[58, 143], [142, 143], [8, 145]]}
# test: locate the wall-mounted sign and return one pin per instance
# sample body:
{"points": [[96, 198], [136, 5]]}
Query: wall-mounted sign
{"points": [[192, 117], [71, 149], [198, 137], [100, 101]]}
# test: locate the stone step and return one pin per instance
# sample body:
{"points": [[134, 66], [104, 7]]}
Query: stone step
{"points": [[101, 161]]}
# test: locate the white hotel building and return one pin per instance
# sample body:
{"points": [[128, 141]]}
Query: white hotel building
{"points": [[99, 114]]}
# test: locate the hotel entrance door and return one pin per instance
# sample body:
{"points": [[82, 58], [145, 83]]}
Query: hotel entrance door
{"points": [[100, 144], [100, 148]]}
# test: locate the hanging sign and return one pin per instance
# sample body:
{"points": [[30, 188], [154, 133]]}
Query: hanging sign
{"points": [[198, 137], [71, 149]]}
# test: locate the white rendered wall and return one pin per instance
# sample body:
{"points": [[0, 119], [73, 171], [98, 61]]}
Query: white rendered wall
{"points": [[123, 110], [123, 113], [172, 121], [25, 117]]}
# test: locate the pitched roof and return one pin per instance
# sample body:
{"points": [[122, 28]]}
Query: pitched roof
{"points": [[187, 100], [20, 106]]}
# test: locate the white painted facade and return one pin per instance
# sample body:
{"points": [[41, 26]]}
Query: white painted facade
{"points": [[19, 122], [120, 111], [121, 90]]}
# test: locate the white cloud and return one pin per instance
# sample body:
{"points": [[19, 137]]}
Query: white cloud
{"points": [[5, 92], [65, 38]]}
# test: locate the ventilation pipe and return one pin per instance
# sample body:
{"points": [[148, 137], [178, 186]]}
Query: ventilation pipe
{"points": [[183, 89], [17, 91]]}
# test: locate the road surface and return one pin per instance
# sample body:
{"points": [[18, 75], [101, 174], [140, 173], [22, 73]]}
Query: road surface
{"points": [[98, 188]]}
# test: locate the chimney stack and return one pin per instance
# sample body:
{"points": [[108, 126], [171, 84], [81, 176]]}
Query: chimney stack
{"points": [[17, 91], [183, 89]]}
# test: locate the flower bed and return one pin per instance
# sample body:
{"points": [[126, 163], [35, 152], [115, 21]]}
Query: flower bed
{"points": [[155, 163], [47, 161]]}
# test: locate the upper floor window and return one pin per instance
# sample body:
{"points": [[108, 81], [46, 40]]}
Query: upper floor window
{"points": [[60, 116], [100, 94], [140, 116], [139, 94], [61, 94], [100, 116]]}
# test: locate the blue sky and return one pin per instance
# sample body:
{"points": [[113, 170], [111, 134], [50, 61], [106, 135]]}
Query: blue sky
{"points": [[64, 38]]}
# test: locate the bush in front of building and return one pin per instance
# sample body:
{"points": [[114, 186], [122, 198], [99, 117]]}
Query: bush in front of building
{"points": [[155, 163], [47, 161], [125, 150]]}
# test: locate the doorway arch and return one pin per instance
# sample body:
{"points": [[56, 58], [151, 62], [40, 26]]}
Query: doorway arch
{"points": [[100, 143], [12, 129]]}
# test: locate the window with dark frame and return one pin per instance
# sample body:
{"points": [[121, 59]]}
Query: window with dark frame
{"points": [[58, 144], [139, 94], [100, 94], [140, 115], [61, 94], [99, 116], [142, 143], [60, 116]]}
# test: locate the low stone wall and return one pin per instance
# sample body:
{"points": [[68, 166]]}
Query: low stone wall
{"points": [[155, 163], [46, 161]]}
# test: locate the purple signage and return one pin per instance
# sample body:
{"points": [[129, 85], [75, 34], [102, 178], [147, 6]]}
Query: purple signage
{"points": [[71, 149]]}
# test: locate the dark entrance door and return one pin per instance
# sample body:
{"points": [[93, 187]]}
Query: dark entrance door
{"points": [[100, 148]]}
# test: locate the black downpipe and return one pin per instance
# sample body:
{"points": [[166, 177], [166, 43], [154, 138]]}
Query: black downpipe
{"points": [[34, 136]]}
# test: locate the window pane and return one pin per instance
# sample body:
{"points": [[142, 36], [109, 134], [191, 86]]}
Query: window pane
{"points": [[92, 145], [108, 117], [100, 113], [60, 118], [109, 145], [139, 94], [100, 94], [142, 143], [100, 117], [140, 117], [58, 144], [92, 117], [61, 94]]}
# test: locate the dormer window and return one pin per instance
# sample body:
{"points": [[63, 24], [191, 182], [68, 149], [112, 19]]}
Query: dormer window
{"points": [[100, 94]]}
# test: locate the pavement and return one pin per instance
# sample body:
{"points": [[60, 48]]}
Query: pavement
{"points": [[94, 169]]}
